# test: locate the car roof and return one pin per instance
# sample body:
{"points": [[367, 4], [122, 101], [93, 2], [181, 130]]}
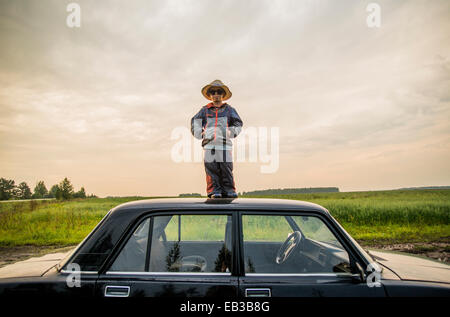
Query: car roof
{"points": [[219, 204]]}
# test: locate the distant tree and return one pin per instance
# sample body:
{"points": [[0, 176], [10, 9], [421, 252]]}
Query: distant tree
{"points": [[293, 191], [80, 194], [6, 189], [54, 192], [63, 190], [40, 191], [23, 191], [190, 195], [223, 261], [250, 266], [173, 257], [15, 193], [66, 189]]}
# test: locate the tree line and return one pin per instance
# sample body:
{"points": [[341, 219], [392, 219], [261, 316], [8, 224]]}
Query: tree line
{"points": [[62, 191], [190, 195], [280, 191]]}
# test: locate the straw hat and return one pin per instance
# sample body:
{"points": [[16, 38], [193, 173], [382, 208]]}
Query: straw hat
{"points": [[216, 84]]}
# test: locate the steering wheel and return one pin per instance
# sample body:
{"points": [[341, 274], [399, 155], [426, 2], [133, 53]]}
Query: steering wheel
{"points": [[292, 242]]}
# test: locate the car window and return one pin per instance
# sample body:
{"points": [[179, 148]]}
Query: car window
{"points": [[191, 243], [315, 229], [132, 256], [281, 244]]}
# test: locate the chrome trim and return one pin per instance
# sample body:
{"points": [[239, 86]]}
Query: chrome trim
{"points": [[258, 289], [299, 274], [169, 273], [78, 272], [126, 288]]}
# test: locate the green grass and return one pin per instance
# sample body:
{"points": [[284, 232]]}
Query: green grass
{"points": [[382, 217], [203, 228], [52, 222]]}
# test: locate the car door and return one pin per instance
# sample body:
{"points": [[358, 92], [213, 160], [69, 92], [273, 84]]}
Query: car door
{"points": [[295, 255], [173, 254]]}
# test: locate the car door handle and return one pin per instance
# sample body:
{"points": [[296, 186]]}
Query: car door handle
{"points": [[257, 292], [117, 291]]}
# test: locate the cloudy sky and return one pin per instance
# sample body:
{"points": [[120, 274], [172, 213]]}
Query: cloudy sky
{"points": [[356, 107]]}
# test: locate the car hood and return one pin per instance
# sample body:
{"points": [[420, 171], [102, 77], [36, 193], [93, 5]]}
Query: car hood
{"points": [[411, 267], [31, 267]]}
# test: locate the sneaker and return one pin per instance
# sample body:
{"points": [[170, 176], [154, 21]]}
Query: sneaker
{"points": [[216, 195], [232, 195]]}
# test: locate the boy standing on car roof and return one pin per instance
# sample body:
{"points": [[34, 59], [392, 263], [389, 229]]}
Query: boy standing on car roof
{"points": [[215, 124]]}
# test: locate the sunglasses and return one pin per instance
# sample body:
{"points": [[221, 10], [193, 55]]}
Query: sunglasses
{"points": [[216, 91]]}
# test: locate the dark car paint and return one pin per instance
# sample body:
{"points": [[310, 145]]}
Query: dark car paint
{"points": [[100, 248], [53, 284], [309, 286], [171, 286], [414, 288]]}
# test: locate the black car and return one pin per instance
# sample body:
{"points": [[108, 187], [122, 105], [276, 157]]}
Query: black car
{"points": [[233, 248]]}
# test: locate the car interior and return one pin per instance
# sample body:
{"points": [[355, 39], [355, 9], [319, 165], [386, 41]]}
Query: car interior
{"points": [[298, 256], [308, 257], [190, 256]]}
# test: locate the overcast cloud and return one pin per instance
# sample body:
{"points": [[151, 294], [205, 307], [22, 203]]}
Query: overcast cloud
{"points": [[358, 108]]}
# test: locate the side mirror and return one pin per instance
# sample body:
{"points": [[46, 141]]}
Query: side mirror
{"points": [[362, 277]]}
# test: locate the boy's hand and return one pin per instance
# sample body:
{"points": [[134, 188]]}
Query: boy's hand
{"points": [[229, 133], [205, 141]]}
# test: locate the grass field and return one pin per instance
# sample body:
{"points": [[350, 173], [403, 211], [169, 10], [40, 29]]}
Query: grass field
{"points": [[45, 222], [382, 217]]}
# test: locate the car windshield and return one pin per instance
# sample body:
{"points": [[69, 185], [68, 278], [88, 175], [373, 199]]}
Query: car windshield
{"points": [[315, 229]]}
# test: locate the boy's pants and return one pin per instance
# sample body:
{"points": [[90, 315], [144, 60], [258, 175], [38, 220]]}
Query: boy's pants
{"points": [[219, 171]]}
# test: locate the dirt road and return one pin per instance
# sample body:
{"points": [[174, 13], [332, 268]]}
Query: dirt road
{"points": [[15, 254]]}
